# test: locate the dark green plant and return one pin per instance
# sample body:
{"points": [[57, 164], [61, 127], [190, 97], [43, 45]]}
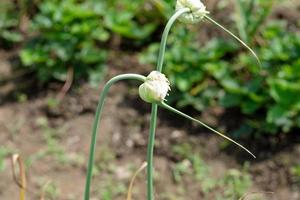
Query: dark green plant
{"points": [[9, 24], [75, 34], [295, 171], [221, 74], [270, 97], [130, 20], [250, 15], [67, 34]]}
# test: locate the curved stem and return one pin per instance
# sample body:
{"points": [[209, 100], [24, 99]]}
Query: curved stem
{"points": [[96, 123], [166, 106], [129, 193], [68, 83], [164, 38], [154, 108]]}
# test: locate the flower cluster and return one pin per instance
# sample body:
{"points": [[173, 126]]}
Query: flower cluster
{"points": [[155, 88], [197, 13]]}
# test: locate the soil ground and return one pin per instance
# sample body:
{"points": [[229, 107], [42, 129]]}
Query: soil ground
{"points": [[190, 162]]}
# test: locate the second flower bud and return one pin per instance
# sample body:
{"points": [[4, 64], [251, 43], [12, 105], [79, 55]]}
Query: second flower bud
{"points": [[155, 88]]}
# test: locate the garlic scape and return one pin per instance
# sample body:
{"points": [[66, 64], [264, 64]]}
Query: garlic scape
{"points": [[98, 113], [190, 12], [155, 88]]}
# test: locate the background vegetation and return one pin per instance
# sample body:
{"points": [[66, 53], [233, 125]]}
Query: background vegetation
{"points": [[209, 73], [204, 72]]}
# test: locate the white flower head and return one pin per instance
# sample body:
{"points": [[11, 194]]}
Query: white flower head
{"points": [[155, 88], [197, 13]]}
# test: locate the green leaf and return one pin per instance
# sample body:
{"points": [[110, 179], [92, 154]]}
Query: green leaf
{"points": [[284, 92], [230, 100], [249, 107], [96, 76], [279, 116]]}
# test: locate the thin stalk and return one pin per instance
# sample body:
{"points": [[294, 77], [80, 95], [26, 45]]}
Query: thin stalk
{"points": [[154, 108], [150, 150], [166, 106], [96, 125], [164, 38], [235, 37]]}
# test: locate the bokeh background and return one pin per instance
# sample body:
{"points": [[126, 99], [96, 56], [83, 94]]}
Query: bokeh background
{"points": [[56, 55]]}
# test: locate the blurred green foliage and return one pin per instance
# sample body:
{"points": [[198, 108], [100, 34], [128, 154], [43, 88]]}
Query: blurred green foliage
{"points": [[77, 34], [231, 185], [68, 35], [4, 153], [250, 15], [220, 73], [295, 171], [9, 22], [128, 19]]}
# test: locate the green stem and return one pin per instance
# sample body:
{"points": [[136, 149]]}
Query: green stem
{"points": [[166, 106], [150, 151], [164, 38], [96, 123], [154, 108]]}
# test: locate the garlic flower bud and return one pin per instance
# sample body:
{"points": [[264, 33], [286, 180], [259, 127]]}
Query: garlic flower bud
{"points": [[197, 13], [155, 88]]}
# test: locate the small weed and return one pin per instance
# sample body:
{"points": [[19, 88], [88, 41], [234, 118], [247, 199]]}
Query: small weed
{"points": [[180, 169], [184, 150], [51, 191], [54, 148], [4, 152], [15, 128], [21, 97], [171, 196], [104, 160], [235, 184], [52, 103], [295, 171], [232, 185], [192, 161], [111, 190]]}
